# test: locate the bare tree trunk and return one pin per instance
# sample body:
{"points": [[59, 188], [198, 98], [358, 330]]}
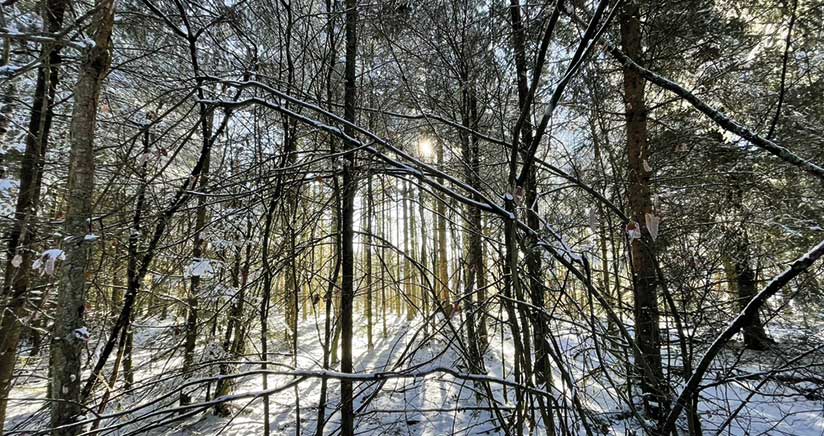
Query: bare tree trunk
{"points": [[512, 283], [368, 250], [407, 266], [738, 265], [20, 237], [442, 281], [264, 307], [412, 277], [348, 200], [645, 308], [382, 227], [533, 257], [423, 260], [329, 306], [69, 333], [198, 250], [473, 242], [233, 340], [755, 338]]}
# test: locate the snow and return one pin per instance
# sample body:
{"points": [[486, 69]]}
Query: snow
{"points": [[82, 334], [593, 220], [87, 43], [46, 262], [9, 70], [8, 185], [200, 267], [19, 147], [425, 390]]}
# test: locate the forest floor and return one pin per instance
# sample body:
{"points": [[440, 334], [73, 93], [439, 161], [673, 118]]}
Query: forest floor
{"points": [[790, 402]]}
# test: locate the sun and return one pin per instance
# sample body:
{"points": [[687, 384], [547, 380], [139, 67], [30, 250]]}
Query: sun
{"points": [[425, 147]]}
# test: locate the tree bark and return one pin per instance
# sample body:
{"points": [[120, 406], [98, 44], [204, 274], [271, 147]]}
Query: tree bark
{"points": [[442, 281], [755, 338], [348, 200], [645, 308], [198, 250], [368, 251], [17, 280], [533, 257], [413, 301], [67, 340]]}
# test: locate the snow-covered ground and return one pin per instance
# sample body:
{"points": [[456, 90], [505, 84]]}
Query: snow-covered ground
{"points": [[435, 404]]}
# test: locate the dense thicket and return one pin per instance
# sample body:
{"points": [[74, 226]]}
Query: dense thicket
{"points": [[456, 216]]}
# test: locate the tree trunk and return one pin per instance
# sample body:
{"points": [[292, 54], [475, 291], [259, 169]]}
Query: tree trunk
{"points": [[755, 338], [268, 282], [133, 276], [645, 308], [425, 290], [511, 290], [738, 265], [442, 281], [533, 257], [21, 235], [233, 339], [368, 250], [412, 276], [69, 332], [348, 201], [192, 299], [474, 267]]}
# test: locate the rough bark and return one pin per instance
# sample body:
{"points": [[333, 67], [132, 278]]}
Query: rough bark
{"points": [[644, 279], [67, 341]]}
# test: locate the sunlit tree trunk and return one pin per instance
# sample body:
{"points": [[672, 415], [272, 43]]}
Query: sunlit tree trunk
{"points": [[424, 259], [442, 282], [382, 226]]}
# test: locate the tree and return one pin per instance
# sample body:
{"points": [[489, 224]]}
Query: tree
{"points": [[70, 334], [644, 277], [19, 248], [348, 204]]}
